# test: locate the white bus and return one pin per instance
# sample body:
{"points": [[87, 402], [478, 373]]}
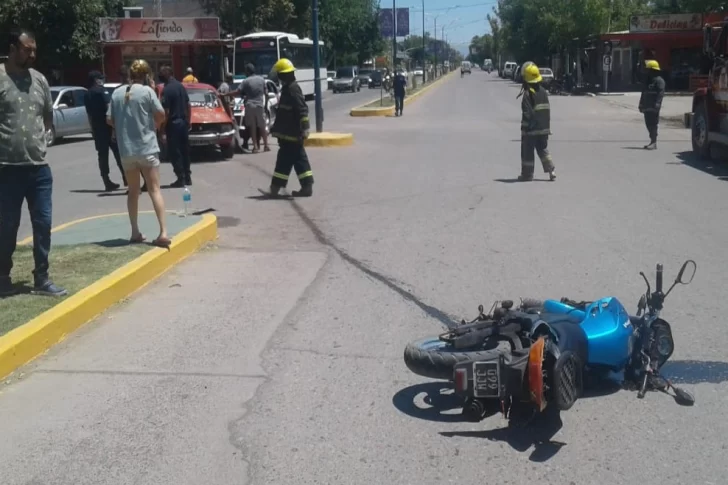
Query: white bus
{"points": [[263, 49]]}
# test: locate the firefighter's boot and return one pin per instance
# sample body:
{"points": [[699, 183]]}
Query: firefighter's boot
{"points": [[306, 191], [651, 146]]}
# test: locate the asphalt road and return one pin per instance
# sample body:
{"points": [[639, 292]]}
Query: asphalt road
{"points": [[78, 189], [276, 357]]}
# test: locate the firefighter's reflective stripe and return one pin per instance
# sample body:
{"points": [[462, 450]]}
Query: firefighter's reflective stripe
{"points": [[304, 119], [281, 136], [538, 132], [305, 174], [280, 176], [541, 107]]}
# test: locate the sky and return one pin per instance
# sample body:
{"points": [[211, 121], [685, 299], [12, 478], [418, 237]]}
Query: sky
{"points": [[462, 19]]}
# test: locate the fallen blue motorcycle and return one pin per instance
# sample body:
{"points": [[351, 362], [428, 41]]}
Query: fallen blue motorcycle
{"points": [[540, 354]]}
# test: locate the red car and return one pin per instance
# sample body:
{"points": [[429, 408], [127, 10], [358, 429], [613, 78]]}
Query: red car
{"points": [[211, 124]]}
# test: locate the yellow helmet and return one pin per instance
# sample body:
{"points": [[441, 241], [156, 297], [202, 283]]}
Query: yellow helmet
{"points": [[531, 74], [652, 64], [283, 66]]}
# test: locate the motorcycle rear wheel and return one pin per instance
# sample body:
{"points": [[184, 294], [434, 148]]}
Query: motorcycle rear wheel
{"points": [[431, 357]]}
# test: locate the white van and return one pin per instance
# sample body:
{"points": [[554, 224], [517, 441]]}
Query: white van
{"points": [[465, 67], [508, 69]]}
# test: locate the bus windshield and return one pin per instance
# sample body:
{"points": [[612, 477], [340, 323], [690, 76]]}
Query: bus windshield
{"points": [[261, 59], [262, 53]]}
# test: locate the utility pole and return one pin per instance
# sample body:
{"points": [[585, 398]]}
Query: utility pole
{"points": [[424, 50], [317, 67], [158, 7], [437, 48], [394, 34]]}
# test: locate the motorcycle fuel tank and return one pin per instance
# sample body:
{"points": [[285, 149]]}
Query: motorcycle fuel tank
{"points": [[607, 327]]}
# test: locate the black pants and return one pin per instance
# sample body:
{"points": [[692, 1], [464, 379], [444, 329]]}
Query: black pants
{"points": [[652, 120], [539, 144], [398, 102], [178, 149], [291, 155], [33, 184], [103, 142]]}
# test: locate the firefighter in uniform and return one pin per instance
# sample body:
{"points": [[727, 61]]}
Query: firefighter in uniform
{"points": [[651, 101], [291, 128], [535, 124]]}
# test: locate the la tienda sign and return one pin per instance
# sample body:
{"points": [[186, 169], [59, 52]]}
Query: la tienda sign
{"points": [[158, 29], [661, 23]]}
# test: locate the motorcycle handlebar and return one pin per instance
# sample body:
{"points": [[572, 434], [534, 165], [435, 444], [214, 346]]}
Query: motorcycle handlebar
{"points": [[658, 279]]}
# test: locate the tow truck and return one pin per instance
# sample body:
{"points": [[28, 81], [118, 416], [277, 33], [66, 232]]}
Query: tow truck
{"points": [[710, 98]]}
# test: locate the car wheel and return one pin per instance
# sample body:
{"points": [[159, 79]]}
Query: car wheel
{"points": [[228, 151], [51, 136]]}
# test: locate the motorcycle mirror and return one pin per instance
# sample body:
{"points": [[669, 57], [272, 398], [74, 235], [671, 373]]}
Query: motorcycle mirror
{"points": [[690, 267], [683, 397]]}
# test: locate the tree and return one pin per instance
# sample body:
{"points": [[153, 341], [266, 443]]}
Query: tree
{"points": [[481, 48], [533, 29], [66, 31]]}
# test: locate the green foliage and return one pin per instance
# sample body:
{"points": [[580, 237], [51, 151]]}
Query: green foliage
{"points": [[66, 31], [481, 48], [413, 46], [535, 29]]}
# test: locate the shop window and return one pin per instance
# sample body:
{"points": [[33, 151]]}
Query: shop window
{"points": [[683, 64]]}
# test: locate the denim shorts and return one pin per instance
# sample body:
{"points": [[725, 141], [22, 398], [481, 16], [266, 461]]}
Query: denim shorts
{"points": [[140, 161]]}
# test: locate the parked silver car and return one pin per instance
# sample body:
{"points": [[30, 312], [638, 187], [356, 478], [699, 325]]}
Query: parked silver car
{"points": [[347, 79], [69, 113], [547, 75]]}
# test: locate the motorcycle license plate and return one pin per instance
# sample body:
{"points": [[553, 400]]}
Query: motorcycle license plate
{"points": [[486, 379]]}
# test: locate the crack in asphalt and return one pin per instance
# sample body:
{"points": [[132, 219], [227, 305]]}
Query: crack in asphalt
{"points": [[431, 311]]}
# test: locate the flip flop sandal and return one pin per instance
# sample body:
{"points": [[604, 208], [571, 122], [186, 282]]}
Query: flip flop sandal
{"points": [[162, 242], [138, 240]]}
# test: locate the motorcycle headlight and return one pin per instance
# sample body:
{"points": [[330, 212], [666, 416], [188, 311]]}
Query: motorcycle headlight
{"points": [[663, 345]]}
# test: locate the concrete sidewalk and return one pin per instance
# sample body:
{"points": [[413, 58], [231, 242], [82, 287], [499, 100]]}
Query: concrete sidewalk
{"points": [[673, 107]]}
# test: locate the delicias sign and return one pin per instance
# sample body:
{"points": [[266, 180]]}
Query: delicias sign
{"points": [[657, 23], [158, 29]]}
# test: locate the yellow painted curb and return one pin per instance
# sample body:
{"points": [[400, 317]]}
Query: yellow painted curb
{"points": [[388, 111], [25, 343], [361, 111], [327, 139]]}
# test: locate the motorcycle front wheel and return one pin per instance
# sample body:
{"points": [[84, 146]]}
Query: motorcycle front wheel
{"points": [[431, 357]]}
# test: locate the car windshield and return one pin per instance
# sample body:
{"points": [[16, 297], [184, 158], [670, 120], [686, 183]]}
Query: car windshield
{"points": [[546, 72], [203, 98], [365, 72], [376, 75], [344, 73]]}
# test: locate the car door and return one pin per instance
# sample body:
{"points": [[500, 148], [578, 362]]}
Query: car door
{"points": [[62, 114], [80, 118]]}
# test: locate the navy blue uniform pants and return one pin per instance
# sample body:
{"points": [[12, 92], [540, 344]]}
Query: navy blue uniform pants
{"points": [[178, 148]]}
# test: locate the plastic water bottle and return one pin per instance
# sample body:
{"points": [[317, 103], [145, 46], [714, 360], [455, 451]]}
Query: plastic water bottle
{"points": [[187, 200]]}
